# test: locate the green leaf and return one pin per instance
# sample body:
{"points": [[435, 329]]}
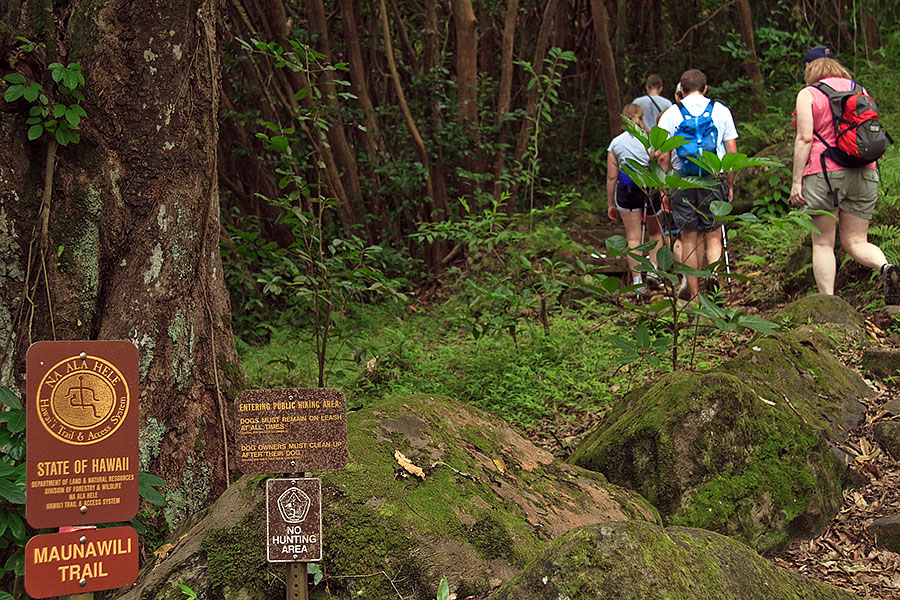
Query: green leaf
{"points": [[720, 209], [73, 118], [525, 262], [147, 484], [611, 284], [443, 591], [35, 131], [664, 258], [31, 92], [676, 141], [16, 526], [16, 421], [10, 398], [13, 93], [642, 336], [14, 78], [616, 243], [12, 492], [658, 137], [620, 342], [78, 110], [59, 110]]}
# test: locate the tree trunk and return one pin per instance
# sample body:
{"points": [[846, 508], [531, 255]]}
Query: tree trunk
{"points": [[540, 52], [751, 63], [133, 230], [336, 135], [607, 66], [467, 85], [504, 95]]}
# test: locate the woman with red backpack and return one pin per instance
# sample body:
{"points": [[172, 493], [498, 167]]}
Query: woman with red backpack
{"points": [[831, 172]]}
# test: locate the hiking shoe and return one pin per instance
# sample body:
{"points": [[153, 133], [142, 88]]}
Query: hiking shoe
{"points": [[890, 279]]}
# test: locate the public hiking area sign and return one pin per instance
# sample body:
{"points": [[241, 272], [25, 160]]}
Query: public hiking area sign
{"points": [[294, 520], [291, 430], [89, 560], [82, 433]]}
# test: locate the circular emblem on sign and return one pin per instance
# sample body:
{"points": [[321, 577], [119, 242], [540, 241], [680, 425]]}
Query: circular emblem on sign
{"points": [[83, 401]]}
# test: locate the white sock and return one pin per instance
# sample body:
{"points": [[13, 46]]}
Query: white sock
{"points": [[637, 280]]}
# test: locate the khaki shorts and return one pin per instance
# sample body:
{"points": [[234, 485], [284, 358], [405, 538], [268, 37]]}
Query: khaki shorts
{"points": [[857, 191]]}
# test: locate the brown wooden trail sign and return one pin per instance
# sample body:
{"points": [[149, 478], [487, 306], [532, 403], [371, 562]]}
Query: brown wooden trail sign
{"points": [[89, 560], [291, 430], [82, 433]]}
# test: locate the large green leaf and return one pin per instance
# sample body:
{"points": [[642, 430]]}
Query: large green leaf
{"points": [[10, 398], [12, 492]]}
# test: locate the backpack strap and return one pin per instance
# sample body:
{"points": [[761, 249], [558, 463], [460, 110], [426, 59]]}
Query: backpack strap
{"points": [[654, 102]]}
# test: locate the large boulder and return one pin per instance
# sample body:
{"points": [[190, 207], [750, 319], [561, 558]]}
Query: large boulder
{"points": [[631, 560], [485, 504], [749, 449]]}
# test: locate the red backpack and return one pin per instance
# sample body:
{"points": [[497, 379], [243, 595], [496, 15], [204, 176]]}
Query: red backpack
{"points": [[861, 139]]}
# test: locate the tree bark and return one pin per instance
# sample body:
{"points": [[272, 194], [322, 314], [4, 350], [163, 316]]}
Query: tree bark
{"points": [[751, 63], [607, 66], [133, 229], [336, 134], [467, 85], [540, 52], [401, 97], [504, 94]]}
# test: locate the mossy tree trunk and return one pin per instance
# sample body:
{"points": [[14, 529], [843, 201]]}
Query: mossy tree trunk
{"points": [[132, 246]]}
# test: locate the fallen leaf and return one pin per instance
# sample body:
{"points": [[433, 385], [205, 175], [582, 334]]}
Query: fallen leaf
{"points": [[501, 466], [163, 551], [408, 466]]}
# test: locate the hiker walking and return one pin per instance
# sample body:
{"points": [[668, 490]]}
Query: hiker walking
{"points": [[625, 199], [824, 178], [709, 126], [653, 104]]}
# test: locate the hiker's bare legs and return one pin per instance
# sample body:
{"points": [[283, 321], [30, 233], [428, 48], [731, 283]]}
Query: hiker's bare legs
{"points": [[654, 234], [632, 221], [689, 240], [854, 239], [823, 261], [713, 245]]}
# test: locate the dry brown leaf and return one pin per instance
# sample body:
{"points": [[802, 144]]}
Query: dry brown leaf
{"points": [[163, 551], [408, 466], [501, 466]]}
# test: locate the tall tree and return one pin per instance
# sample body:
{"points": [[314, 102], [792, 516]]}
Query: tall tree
{"points": [[117, 235], [751, 63]]}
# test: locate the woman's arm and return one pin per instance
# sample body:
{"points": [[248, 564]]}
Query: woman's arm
{"points": [[802, 145], [612, 178]]}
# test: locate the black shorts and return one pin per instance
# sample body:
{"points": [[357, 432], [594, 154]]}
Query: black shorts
{"points": [[631, 197], [690, 208]]}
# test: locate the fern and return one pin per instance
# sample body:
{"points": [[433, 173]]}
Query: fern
{"points": [[887, 237]]}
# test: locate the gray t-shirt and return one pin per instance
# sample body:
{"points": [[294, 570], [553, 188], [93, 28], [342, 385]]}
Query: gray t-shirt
{"points": [[652, 106], [625, 146]]}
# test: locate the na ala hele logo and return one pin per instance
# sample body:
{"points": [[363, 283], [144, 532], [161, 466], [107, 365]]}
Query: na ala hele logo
{"points": [[83, 400]]}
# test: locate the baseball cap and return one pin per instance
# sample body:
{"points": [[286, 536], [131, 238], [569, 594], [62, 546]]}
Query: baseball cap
{"points": [[819, 52]]}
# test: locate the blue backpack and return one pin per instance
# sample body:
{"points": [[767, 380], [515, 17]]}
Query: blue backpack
{"points": [[701, 135]]}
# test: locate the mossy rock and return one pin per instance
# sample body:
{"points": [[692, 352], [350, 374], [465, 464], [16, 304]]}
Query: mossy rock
{"points": [[887, 434], [838, 318], [886, 532], [489, 502], [630, 560], [881, 362], [748, 450]]}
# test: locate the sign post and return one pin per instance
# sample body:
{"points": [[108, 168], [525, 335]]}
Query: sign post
{"points": [[82, 465], [292, 431]]}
